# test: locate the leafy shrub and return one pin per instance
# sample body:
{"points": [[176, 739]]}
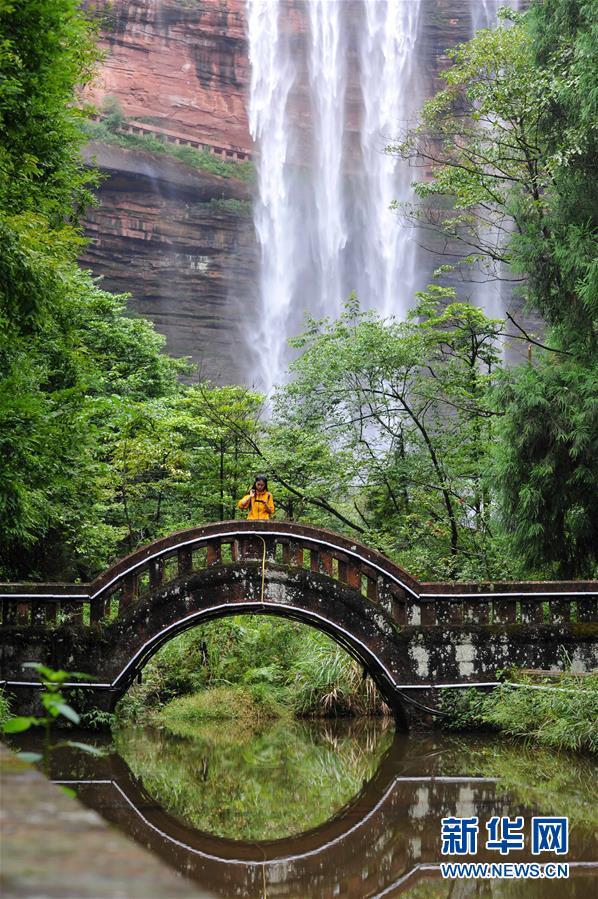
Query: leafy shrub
{"points": [[4, 708], [464, 709]]}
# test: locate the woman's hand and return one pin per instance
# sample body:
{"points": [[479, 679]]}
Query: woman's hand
{"points": [[252, 493]]}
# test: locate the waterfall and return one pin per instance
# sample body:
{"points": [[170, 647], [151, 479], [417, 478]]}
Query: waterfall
{"points": [[386, 63], [327, 81], [484, 12], [331, 84], [272, 76]]}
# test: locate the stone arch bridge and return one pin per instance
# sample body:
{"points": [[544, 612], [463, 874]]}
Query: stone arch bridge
{"points": [[411, 637]]}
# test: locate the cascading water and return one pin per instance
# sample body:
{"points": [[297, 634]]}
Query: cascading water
{"points": [[272, 76], [327, 79], [333, 82], [484, 12], [386, 63], [322, 108]]}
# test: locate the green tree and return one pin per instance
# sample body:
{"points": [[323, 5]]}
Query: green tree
{"points": [[179, 460], [45, 51], [101, 446], [560, 257], [403, 411], [511, 141]]}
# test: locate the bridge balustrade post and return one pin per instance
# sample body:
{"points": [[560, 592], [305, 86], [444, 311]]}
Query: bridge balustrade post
{"points": [[97, 608], [353, 576], [156, 573], [559, 610], [184, 561], [23, 609], [313, 560], [270, 548], [321, 561], [587, 607], [250, 548], [504, 611], [292, 554], [130, 589], [428, 614], [532, 611], [449, 611], [384, 591], [476, 611], [398, 605], [214, 552]]}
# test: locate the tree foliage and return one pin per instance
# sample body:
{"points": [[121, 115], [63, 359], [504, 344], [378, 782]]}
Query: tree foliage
{"points": [[402, 411], [101, 446], [512, 144]]}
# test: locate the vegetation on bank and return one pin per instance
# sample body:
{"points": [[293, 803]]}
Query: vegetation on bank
{"points": [[561, 713], [533, 775], [245, 668], [244, 704]]}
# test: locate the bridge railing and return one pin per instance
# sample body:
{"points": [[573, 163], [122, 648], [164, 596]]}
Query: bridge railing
{"points": [[296, 547], [40, 604]]}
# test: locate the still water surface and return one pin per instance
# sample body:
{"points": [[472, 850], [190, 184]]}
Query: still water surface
{"points": [[320, 809]]}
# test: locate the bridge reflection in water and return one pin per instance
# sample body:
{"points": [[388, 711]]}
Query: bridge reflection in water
{"points": [[381, 843]]}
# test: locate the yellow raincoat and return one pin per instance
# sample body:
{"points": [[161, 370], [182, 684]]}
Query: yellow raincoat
{"points": [[261, 506]]}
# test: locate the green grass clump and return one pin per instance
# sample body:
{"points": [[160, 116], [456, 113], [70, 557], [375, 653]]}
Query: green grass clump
{"points": [[327, 681], [182, 715], [561, 715]]}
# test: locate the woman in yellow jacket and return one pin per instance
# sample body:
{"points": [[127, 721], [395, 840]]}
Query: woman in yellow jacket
{"points": [[259, 500]]}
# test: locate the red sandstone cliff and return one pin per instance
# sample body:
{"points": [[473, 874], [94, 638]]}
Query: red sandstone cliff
{"points": [[182, 243], [179, 240], [178, 64]]}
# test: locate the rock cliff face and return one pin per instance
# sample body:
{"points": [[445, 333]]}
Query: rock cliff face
{"points": [[178, 64], [181, 241]]}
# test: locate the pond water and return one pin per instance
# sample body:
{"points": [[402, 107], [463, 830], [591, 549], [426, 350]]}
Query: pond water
{"points": [[312, 810]]}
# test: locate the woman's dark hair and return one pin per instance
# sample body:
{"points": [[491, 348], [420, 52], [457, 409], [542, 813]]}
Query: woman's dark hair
{"points": [[260, 477]]}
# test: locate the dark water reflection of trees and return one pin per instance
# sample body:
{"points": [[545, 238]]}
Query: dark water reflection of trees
{"points": [[312, 810], [257, 785]]}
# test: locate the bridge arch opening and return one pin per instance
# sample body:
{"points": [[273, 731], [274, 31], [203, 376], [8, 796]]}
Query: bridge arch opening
{"points": [[317, 634]]}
